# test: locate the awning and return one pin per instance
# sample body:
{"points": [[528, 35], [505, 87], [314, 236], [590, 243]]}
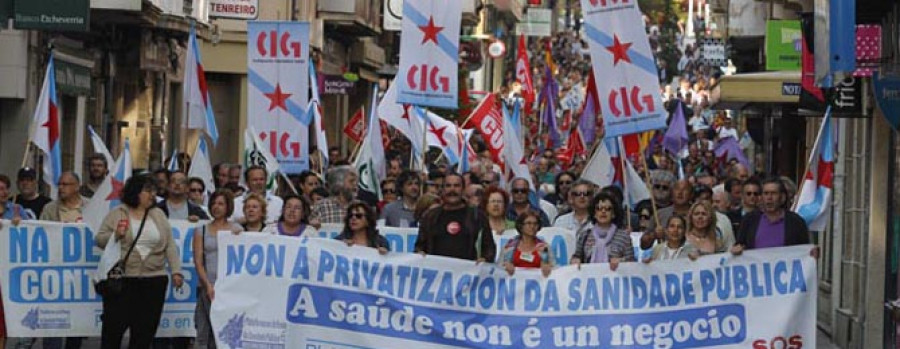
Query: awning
{"points": [[737, 91]]}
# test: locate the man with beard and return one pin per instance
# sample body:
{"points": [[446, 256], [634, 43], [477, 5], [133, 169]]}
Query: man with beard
{"points": [[98, 168], [401, 213], [256, 177], [342, 183], [454, 229], [177, 205]]}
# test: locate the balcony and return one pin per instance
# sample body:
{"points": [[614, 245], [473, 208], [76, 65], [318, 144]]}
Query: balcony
{"points": [[353, 17], [366, 52]]}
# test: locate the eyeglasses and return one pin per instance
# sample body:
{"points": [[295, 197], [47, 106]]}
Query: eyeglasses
{"points": [[660, 187], [580, 194], [520, 191], [357, 215], [604, 208], [196, 190]]}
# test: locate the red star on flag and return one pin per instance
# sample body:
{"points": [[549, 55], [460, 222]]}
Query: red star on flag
{"points": [[439, 132], [277, 98], [619, 50], [51, 125], [116, 192], [405, 115], [431, 31]]}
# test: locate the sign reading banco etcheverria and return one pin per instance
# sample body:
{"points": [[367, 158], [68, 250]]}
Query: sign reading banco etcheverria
{"points": [[46, 270], [429, 53], [620, 52], [282, 292], [278, 89]]}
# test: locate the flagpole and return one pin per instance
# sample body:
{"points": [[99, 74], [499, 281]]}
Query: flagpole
{"points": [[652, 198], [622, 159], [812, 155]]}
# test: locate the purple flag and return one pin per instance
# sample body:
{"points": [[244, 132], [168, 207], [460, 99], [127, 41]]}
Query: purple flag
{"points": [[548, 113], [676, 138], [729, 147], [587, 123]]}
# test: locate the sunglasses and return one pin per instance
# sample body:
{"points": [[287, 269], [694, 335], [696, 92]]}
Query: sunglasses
{"points": [[196, 190], [581, 194], [357, 215], [643, 216], [565, 182], [520, 191]]}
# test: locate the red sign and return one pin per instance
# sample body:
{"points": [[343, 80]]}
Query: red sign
{"points": [[356, 127], [488, 119]]}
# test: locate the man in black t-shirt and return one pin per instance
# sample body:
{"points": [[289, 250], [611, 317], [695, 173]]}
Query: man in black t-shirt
{"points": [[455, 229], [28, 196]]}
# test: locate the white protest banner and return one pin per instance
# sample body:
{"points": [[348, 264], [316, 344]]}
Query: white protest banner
{"points": [[46, 270], [620, 51], [300, 293], [278, 89], [429, 53]]}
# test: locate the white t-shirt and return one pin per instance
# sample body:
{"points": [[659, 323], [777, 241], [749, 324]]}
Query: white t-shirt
{"points": [[149, 236]]}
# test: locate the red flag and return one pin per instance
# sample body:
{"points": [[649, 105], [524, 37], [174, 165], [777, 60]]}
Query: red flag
{"points": [[632, 145], [355, 127], [574, 148], [523, 74], [488, 120]]}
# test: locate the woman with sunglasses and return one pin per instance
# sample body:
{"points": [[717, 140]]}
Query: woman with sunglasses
{"points": [[527, 250], [294, 220], [359, 228], [254, 213], [606, 242], [675, 245]]}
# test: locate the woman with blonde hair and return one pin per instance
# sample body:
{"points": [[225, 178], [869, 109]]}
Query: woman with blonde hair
{"points": [[702, 231], [254, 213]]}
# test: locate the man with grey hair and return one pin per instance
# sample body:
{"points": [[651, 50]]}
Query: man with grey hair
{"points": [[342, 183], [257, 178], [661, 182]]}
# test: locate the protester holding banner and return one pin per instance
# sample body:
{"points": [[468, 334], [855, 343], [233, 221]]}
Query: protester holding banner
{"points": [[773, 225], [527, 250], [496, 200], [294, 220], [675, 245], [605, 242], [206, 250], [454, 229], [702, 231], [359, 228], [139, 306], [256, 178], [255, 212], [521, 194], [8, 209]]}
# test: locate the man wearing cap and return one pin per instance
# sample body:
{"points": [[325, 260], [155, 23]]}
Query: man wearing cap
{"points": [[28, 196]]}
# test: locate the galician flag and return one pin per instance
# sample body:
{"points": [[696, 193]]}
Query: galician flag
{"points": [[814, 198], [199, 111], [107, 195], [200, 166], [315, 109], [370, 161], [100, 148], [46, 128]]}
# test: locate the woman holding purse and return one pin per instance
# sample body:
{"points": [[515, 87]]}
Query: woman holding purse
{"points": [[147, 245]]}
